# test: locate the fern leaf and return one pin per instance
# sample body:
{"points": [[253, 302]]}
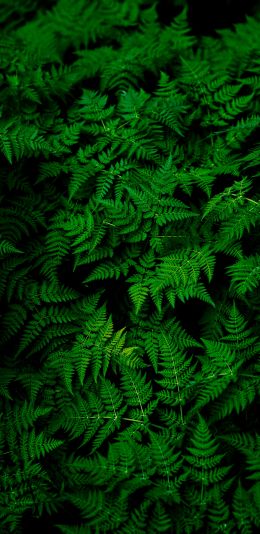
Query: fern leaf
{"points": [[8, 248], [245, 275]]}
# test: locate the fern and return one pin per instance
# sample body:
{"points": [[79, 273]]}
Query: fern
{"points": [[8, 248], [241, 510], [245, 275], [129, 276], [205, 463]]}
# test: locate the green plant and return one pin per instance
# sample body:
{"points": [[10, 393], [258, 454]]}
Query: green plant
{"points": [[129, 249]]}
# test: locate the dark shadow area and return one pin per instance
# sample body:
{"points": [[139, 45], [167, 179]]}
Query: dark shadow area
{"points": [[68, 515], [206, 17], [188, 314]]}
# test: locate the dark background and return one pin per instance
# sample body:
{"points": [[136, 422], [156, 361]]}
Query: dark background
{"points": [[207, 16]]}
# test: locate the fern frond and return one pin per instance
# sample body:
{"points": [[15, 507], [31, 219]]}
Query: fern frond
{"points": [[205, 464], [245, 275], [8, 248], [241, 510]]}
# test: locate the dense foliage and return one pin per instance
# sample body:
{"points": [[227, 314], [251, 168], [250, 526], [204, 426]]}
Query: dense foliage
{"points": [[130, 270]]}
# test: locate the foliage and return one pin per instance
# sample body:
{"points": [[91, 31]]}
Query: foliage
{"points": [[129, 271]]}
